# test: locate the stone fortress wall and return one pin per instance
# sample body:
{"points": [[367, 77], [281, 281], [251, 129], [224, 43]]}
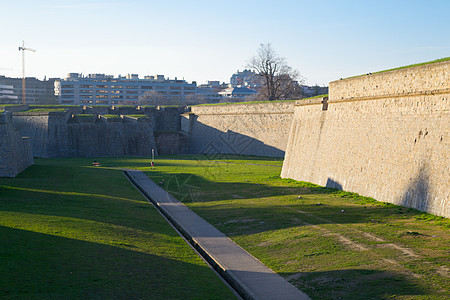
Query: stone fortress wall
{"points": [[15, 150], [64, 134], [250, 129], [383, 135]]}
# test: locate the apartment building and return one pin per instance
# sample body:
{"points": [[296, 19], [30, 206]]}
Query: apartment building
{"points": [[7, 94], [36, 91], [101, 89], [246, 78]]}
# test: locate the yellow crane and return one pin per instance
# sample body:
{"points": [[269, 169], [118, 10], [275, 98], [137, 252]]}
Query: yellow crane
{"points": [[23, 49]]}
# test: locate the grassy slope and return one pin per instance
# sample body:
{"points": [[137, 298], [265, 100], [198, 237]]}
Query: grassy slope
{"points": [[331, 244], [69, 230]]}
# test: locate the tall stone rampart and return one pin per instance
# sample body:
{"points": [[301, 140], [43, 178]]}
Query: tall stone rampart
{"points": [[15, 150], [384, 136], [34, 126], [60, 134], [426, 79], [250, 129]]}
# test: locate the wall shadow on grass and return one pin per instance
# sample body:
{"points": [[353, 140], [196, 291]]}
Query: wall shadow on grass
{"points": [[42, 266], [354, 284], [259, 215]]}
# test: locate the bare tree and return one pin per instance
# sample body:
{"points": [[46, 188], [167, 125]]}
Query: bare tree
{"points": [[278, 79], [157, 98]]}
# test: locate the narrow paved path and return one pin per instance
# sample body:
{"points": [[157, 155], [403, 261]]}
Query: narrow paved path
{"points": [[247, 275]]}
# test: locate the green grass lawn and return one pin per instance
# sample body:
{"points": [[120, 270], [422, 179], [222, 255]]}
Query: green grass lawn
{"points": [[69, 230], [330, 244]]}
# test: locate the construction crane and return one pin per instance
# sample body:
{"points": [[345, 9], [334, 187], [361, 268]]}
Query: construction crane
{"points": [[23, 49]]}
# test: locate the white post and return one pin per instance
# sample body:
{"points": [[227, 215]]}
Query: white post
{"points": [[153, 158]]}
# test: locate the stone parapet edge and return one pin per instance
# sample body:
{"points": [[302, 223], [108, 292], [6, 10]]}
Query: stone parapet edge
{"points": [[402, 95]]}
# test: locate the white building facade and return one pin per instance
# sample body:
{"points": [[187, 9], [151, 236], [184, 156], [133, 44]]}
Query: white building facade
{"points": [[101, 89], [7, 94]]}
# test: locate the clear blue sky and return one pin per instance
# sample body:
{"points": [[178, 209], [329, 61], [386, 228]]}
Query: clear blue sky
{"points": [[210, 40]]}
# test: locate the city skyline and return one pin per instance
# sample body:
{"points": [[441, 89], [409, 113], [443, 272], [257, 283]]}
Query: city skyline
{"points": [[201, 41]]}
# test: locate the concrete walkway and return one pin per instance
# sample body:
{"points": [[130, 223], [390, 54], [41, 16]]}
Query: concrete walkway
{"points": [[247, 275]]}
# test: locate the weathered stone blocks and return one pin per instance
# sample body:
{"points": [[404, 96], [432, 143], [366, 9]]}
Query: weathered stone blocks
{"points": [[387, 138], [250, 129], [15, 150]]}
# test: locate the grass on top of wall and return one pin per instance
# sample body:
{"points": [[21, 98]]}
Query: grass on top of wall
{"points": [[69, 230], [406, 67], [329, 243], [259, 102], [111, 116], [41, 110], [85, 115], [138, 116], [53, 106]]}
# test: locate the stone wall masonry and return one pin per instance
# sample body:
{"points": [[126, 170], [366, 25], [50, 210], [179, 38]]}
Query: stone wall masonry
{"points": [[59, 134], [34, 126], [15, 150], [110, 139], [175, 142], [167, 118], [251, 129], [393, 148], [420, 80]]}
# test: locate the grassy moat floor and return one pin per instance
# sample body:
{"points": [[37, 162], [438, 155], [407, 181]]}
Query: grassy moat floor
{"points": [[71, 230]]}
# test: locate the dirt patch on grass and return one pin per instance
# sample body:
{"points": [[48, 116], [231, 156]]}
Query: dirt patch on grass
{"points": [[349, 243], [444, 271], [404, 250]]}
